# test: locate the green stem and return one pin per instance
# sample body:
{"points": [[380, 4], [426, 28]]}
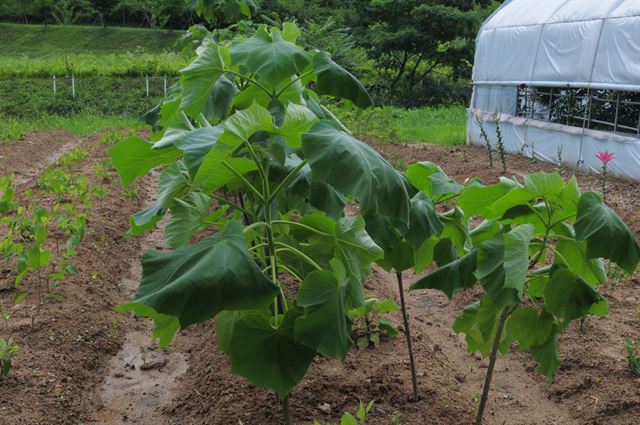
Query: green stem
{"points": [[492, 362], [225, 201], [250, 80], [292, 82], [243, 180], [297, 252], [301, 225], [407, 333]]}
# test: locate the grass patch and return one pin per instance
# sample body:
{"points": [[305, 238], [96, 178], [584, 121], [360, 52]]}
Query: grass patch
{"points": [[442, 125], [22, 40], [81, 125], [38, 50]]}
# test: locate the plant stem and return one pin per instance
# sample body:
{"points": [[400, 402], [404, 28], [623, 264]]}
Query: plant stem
{"points": [[407, 333], [286, 411], [492, 362]]}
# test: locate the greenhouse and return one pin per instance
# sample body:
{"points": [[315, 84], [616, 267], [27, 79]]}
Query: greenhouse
{"points": [[562, 80]]}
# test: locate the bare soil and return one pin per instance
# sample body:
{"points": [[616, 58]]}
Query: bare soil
{"points": [[72, 364]]}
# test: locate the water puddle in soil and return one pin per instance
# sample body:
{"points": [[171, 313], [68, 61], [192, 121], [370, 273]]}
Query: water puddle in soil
{"points": [[141, 377]]}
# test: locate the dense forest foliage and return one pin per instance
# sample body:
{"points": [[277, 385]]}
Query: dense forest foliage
{"points": [[407, 52]]}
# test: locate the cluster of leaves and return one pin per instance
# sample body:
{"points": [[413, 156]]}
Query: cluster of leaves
{"points": [[537, 251], [244, 137]]}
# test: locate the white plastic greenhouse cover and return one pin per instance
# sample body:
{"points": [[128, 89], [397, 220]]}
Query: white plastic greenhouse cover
{"points": [[557, 43], [577, 43]]}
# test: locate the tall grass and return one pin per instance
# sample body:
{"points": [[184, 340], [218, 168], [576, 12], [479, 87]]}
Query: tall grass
{"points": [[442, 125], [12, 130]]}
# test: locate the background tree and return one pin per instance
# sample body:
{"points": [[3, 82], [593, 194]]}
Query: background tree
{"points": [[415, 42], [103, 8]]}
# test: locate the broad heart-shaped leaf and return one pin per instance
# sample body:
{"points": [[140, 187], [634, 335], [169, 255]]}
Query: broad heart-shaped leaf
{"points": [[199, 80], [606, 234], [267, 354], [298, 119], [269, 57], [479, 322], [516, 257], [528, 327], [423, 220], [429, 178], [356, 169], [570, 297], [219, 101], [325, 324], [196, 282], [475, 200], [187, 218], [164, 326], [336, 81], [451, 277], [173, 182], [177, 126], [351, 245], [491, 272], [572, 253], [196, 144], [134, 157], [547, 356], [243, 124]]}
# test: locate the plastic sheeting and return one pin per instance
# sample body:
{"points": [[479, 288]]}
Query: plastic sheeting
{"points": [[577, 43], [541, 140]]}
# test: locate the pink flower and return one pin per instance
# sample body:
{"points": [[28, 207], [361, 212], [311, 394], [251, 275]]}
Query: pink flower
{"points": [[605, 156]]}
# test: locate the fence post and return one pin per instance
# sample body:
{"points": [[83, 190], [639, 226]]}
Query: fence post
{"points": [[165, 84], [54, 84], [73, 85], [146, 83]]}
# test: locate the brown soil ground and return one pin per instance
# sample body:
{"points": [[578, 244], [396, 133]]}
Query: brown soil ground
{"points": [[63, 381]]}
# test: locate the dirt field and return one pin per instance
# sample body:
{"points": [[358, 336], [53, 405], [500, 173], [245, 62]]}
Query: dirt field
{"points": [[81, 362]]}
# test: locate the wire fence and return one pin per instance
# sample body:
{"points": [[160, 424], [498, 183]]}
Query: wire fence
{"points": [[154, 85]]}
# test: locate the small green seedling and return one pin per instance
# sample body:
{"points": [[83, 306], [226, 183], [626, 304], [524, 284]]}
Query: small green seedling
{"points": [[8, 352], [633, 355], [368, 323], [349, 419]]}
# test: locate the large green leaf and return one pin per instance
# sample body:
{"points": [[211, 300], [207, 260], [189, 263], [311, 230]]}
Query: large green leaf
{"points": [[479, 323], [196, 144], [547, 355], [297, 120], [476, 200], [516, 257], [572, 253], [356, 169], [453, 276], [336, 81], [134, 157], [606, 234], [570, 297], [187, 218], [269, 57], [266, 353], [173, 182], [429, 178], [196, 282], [423, 220], [325, 325], [199, 81], [528, 327], [350, 243], [492, 274]]}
